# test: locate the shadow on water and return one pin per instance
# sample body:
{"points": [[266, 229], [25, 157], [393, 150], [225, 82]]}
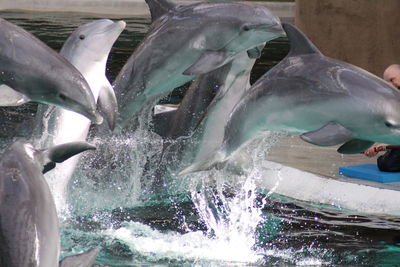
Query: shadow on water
{"points": [[210, 219]]}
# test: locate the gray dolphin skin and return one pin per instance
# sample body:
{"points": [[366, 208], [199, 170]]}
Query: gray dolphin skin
{"points": [[325, 101], [29, 234], [232, 90], [206, 107], [87, 48], [30, 67], [85, 259], [181, 45], [197, 126]]}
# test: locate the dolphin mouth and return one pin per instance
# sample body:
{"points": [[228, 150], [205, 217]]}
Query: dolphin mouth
{"points": [[274, 28], [118, 26], [96, 118], [93, 115]]}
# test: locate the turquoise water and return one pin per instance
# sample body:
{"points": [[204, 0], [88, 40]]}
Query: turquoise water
{"points": [[215, 218]]}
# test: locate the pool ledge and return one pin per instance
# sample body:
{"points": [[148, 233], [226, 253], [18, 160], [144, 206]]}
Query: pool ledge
{"points": [[350, 194]]}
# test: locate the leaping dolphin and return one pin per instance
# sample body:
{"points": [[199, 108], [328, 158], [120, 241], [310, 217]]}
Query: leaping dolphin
{"points": [[197, 126], [87, 49], [325, 101], [184, 42], [30, 67], [29, 233]]}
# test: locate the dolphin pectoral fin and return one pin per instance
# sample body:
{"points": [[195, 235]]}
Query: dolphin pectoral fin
{"points": [[255, 52], [11, 98], [355, 146], [85, 259], [159, 8], [108, 104], [210, 60], [330, 134], [63, 152]]}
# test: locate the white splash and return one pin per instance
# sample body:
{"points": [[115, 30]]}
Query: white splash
{"points": [[193, 246]]}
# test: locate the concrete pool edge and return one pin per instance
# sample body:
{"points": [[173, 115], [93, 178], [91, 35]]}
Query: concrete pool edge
{"points": [[345, 194], [119, 7]]}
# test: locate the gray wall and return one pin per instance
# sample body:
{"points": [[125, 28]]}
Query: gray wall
{"points": [[365, 33], [118, 7]]}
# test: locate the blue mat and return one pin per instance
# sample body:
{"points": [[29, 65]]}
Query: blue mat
{"points": [[369, 172]]}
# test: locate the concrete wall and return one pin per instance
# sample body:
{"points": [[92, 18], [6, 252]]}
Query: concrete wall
{"points": [[121, 7], [118, 7], [365, 33]]}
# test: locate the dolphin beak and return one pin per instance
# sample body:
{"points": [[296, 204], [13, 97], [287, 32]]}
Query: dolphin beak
{"points": [[115, 27], [97, 118], [274, 28], [277, 28], [121, 24], [92, 115]]}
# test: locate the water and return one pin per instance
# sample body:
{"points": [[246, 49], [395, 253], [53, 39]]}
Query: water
{"points": [[215, 218]]}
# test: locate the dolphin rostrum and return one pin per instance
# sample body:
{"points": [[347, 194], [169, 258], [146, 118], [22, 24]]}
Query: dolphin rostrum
{"points": [[180, 45], [29, 233], [325, 101], [30, 67], [87, 49]]}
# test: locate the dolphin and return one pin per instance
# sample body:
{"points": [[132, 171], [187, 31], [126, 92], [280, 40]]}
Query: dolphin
{"points": [[234, 88], [325, 101], [84, 259], [180, 45], [31, 68], [197, 126], [29, 233], [87, 48]]}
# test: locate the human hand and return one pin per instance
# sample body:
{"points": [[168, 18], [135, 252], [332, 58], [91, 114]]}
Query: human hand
{"points": [[371, 152]]}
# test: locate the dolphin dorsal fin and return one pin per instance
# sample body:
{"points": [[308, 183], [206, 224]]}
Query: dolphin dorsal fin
{"points": [[299, 43], [159, 8], [85, 259]]}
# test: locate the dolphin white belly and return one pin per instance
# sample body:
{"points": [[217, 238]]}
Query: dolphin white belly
{"points": [[89, 56]]}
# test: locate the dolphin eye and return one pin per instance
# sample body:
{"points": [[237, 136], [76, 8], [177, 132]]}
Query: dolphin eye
{"points": [[62, 97], [246, 28], [82, 37]]}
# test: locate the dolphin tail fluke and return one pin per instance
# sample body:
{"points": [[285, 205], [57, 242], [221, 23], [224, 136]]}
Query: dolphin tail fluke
{"points": [[63, 152], [85, 259], [108, 104], [206, 163]]}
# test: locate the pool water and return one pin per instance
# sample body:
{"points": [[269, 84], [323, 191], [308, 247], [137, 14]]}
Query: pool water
{"points": [[214, 218]]}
